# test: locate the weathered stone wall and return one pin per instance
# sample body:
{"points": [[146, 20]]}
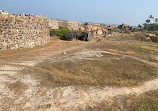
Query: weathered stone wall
{"points": [[53, 24], [22, 31], [71, 24]]}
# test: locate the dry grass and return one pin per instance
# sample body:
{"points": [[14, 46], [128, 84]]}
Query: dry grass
{"points": [[154, 58], [120, 52], [144, 102], [108, 70], [150, 48], [127, 72], [123, 72]]}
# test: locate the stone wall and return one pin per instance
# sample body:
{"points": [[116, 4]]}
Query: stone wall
{"points": [[70, 24], [53, 24], [23, 31]]}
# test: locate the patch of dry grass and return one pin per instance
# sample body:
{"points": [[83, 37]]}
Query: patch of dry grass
{"points": [[150, 48], [120, 52], [126, 72], [144, 102]]}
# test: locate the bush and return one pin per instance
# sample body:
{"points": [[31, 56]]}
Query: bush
{"points": [[61, 32], [76, 35], [134, 30], [151, 26], [81, 30], [124, 31], [142, 30]]}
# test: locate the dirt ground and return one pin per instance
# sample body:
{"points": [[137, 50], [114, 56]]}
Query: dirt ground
{"points": [[76, 75]]}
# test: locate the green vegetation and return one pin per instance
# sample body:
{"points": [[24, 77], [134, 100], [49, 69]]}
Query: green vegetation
{"points": [[61, 32], [124, 31], [81, 30], [151, 24]]}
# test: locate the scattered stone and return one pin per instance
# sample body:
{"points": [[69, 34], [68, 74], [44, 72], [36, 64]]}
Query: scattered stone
{"points": [[152, 35]]}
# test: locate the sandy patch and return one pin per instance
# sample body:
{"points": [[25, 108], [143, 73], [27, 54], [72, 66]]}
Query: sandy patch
{"points": [[120, 52]]}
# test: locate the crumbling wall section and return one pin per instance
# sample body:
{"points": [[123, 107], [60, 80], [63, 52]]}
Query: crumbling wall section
{"points": [[23, 31], [71, 24]]}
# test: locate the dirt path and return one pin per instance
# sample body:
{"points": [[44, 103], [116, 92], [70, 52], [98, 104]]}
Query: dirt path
{"points": [[35, 97], [74, 98], [19, 90]]}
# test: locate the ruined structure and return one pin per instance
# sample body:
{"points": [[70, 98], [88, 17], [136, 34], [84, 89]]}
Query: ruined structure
{"points": [[95, 29], [53, 24], [27, 31], [22, 31], [70, 24]]}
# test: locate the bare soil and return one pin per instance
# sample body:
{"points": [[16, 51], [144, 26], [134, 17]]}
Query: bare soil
{"points": [[71, 76]]}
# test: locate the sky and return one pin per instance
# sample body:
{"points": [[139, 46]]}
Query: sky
{"points": [[132, 12]]}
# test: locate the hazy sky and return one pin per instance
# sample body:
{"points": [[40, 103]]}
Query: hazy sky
{"points": [[131, 12]]}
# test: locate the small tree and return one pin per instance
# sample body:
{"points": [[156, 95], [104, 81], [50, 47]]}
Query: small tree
{"points": [[156, 20], [147, 21], [139, 26], [151, 26], [151, 17]]}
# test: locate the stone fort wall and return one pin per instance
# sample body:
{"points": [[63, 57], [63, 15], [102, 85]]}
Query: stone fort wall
{"points": [[23, 31], [70, 24]]}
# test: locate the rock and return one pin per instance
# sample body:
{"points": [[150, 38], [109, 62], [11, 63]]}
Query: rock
{"points": [[124, 26], [74, 35], [82, 28], [152, 35], [99, 32], [84, 36]]}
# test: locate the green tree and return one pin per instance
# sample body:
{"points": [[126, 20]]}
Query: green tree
{"points": [[139, 26], [147, 21], [156, 20], [151, 17], [151, 26]]}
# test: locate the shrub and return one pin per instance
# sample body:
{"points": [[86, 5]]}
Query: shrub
{"points": [[124, 31], [61, 32], [151, 26], [76, 35], [134, 30], [62, 27], [142, 29], [81, 30]]}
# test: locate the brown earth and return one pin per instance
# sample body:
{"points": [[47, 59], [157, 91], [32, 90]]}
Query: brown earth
{"points": [[65, 76]]}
